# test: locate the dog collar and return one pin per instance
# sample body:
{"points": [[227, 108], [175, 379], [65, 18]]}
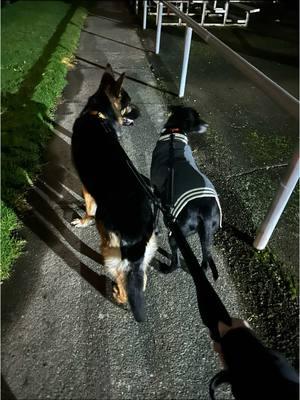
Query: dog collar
{"points": [[171, 130]]}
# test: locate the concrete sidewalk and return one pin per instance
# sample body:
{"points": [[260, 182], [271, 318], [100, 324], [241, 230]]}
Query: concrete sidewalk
{"points": [[62, 335]]}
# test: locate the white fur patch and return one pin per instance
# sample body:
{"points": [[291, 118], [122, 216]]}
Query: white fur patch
{"points": [[150, 250], [113, 258], [112, 254]]}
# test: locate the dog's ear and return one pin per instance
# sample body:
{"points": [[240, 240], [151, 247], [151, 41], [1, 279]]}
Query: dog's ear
{"points": [[109, 70], [118, 84], [107, 81]]}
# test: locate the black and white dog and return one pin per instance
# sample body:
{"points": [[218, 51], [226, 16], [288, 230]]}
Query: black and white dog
{"points": [[195, 204]]}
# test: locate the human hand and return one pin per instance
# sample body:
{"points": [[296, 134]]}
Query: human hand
{"points": [[223, 329]]}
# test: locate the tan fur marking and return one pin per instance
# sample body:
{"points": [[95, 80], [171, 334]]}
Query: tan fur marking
{"points": [[90, 210], [90, 204], [111, 252], [119, 291], [109, 248]]}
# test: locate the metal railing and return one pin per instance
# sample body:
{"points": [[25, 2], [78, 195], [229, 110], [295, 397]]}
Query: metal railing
{"points": [[208, 12], [269, 87]]}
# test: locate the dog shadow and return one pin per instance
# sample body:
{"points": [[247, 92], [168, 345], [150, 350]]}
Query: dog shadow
{"points": [[42, 219], [6, 392], [52, 207]]}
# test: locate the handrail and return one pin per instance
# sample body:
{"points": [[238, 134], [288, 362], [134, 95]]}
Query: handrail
{"points": [[270, 88]]}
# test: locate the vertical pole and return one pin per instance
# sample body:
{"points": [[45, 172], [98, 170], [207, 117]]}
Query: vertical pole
{"points": [[181, 9], [203, 13], [286, 188], [136, 7], [158, 30], [226, 7], [145, 16], [186, 54], [247, 19]]}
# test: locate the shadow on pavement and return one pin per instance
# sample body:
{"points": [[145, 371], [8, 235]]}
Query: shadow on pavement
{"points": [[6, 393], [127, 77]]}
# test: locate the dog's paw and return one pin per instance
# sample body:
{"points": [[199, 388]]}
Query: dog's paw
{"points": [[82, 222], [119, 295], [166, 269], [128, 121]]}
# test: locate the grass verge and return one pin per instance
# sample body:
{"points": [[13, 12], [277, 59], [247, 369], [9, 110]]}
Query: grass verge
{"points": [[35, 59]]}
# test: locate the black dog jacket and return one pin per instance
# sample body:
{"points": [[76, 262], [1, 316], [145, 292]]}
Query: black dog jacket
{"points": [[189, 182]]}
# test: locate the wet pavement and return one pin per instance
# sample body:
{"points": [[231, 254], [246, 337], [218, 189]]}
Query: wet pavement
{"points": [[63, 337]]}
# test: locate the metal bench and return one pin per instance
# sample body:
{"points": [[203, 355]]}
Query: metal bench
{"points": [[205, 12], [244, 9]]}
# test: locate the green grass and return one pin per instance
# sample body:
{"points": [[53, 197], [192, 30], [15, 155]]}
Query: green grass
{"points": [[39, 39], [9, 241]]}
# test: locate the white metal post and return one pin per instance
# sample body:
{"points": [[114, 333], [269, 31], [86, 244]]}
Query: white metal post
{"points": [[203, 13], [286, 188], [145, 15], [226, 7], [158, 30], [186, 54], [181, 9]]}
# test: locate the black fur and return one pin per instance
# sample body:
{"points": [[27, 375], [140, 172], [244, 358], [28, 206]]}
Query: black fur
{"points": [[200, 215], [122, 206]]}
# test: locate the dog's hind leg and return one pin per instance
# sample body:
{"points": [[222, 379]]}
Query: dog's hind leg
{"points": [[119, 290], [90, 211], [206, 238], [112, 259]]}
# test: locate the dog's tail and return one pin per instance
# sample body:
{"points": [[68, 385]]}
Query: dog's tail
{"points": [[136, 278], [206, 236], [135, 290]]}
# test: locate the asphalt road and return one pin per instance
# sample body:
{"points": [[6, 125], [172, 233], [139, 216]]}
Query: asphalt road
{"points": [[62, 335]]}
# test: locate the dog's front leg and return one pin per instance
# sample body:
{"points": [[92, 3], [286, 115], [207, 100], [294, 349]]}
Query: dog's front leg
{"points": [[175, 258], [90, 211]]}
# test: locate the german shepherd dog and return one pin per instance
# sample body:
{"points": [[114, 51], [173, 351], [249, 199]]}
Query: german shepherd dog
{"points": [[195, 204], [113, 196]]}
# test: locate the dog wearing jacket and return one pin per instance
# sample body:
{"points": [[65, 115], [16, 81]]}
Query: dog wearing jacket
{"points": [[113, 196], [194, 203]]}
